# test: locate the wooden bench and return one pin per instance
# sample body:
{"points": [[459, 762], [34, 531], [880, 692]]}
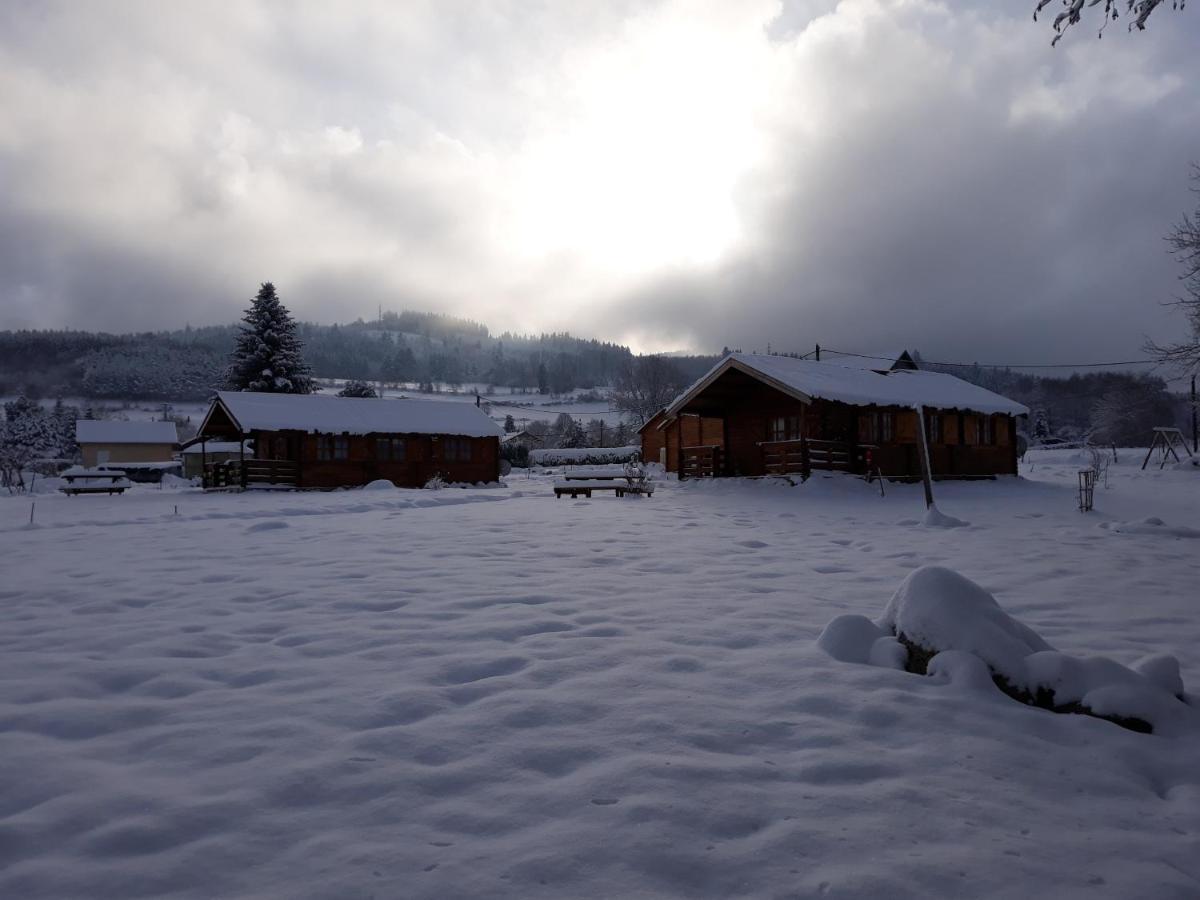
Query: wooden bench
{"points": [[595, 475], [94, 481], [620, 488]]}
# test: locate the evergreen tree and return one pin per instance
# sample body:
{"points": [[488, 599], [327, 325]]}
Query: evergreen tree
{"points": [[267, 356], [26, 434], [509, 425], [357, 389]]}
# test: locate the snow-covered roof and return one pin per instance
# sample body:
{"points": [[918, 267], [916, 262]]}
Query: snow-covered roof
{"points": [[870, 361], [354, 415], [807, 379], [515, 435], [104, 431]]}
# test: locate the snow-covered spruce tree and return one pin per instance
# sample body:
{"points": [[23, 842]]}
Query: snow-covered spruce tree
{"points": [[357, 389], [509, 425], [267, 355]]}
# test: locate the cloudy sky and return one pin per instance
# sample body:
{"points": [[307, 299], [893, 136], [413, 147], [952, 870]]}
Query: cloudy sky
{"points": [[864, 173]]}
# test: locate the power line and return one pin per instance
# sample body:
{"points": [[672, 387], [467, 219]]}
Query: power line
{"points": [[930, 362]]}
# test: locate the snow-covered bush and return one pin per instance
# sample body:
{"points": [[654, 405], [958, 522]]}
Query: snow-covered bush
{"points": [[583, 456], [436, 483], [942, 624]]}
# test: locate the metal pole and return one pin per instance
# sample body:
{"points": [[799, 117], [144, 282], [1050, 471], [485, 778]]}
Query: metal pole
{"points": [[818, 352], [926, 475]]}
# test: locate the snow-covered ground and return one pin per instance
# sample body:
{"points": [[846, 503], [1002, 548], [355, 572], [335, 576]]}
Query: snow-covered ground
{"points": [[492, 693]]}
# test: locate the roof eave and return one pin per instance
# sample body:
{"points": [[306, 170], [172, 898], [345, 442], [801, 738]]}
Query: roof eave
{"points": [[732, 362]]}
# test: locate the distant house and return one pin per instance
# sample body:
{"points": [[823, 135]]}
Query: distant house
{"points": [[768, 415], [322, 441], [522, 438], [103, 441]]}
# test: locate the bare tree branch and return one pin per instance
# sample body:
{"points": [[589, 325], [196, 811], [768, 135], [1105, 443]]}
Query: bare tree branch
{"points": [[1073, 11], [1184, 242]]}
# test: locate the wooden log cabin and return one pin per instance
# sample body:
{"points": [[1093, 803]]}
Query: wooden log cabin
{"points": [[322, 441], [754, 415]]}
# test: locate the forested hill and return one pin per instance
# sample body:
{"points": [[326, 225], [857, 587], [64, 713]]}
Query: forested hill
{"points": [[398, 347]]}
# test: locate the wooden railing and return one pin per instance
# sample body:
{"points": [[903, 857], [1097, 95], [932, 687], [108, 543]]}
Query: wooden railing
{"points": [[785, 457], [700, 462], [241, 474], [837, 456], [802, 456]]}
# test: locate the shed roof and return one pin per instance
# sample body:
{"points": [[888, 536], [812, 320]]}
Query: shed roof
{"points": [[807, 379], [108, 431], [353, 415]]}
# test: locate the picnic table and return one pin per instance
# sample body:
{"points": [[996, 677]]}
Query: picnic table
{"points": [[619, 486], [93, 481]]}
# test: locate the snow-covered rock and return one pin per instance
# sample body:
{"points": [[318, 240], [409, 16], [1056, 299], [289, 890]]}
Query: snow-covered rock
{"points": [[942, 624], [939, 609], [379, 484], [850, 638]]}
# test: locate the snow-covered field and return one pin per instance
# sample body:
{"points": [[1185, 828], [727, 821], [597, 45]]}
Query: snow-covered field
{"points": [[491, 693]]}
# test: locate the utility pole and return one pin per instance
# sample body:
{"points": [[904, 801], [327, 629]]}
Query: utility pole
{"points": [[602, 432], [1195, 431]]}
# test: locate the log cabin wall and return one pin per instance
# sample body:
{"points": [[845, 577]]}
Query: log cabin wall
{"points": [[742, 407], [653, 439], [424, 456]]}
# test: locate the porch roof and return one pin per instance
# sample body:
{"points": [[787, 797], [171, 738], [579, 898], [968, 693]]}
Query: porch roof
{"points": [[807, 379], [351, 415]]}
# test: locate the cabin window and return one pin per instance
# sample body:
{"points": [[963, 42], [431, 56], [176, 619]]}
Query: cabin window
{"points": [[324, 447], [783, 428], [934, 428], [341, 447], [390, 449], [879, 427], [987, 430], [456, 449]]}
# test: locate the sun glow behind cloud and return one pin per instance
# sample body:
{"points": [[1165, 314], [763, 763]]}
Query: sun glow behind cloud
{"points": [[652, 135]]}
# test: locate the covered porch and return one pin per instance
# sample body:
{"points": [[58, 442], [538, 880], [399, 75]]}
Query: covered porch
{"points": [[739, 426]]}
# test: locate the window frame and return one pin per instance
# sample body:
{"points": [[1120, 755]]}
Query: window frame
{"points": [[783, 428], [934, 428], [391, 449], [987, 431], [456, 449]]}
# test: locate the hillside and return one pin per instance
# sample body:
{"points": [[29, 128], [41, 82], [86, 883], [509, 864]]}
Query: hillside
{"points": [[420, 347]]}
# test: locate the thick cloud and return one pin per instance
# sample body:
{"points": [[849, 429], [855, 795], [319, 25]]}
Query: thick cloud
{"points": [[865, 174]]}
